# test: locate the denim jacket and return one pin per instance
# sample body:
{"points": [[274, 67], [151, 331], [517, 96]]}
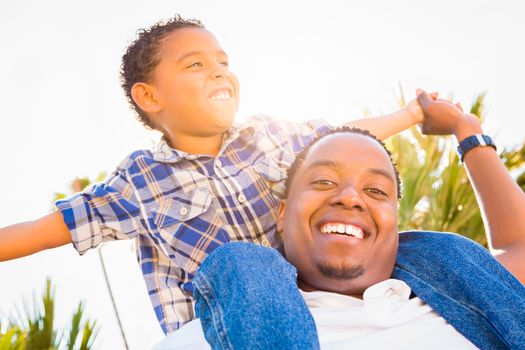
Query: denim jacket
{"points": [[258, 305], [466, 286]]}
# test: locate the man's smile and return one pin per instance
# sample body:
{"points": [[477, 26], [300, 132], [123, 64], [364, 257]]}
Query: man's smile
{"points": [[343, 229]]}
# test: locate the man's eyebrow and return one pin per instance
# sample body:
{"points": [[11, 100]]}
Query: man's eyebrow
{"points": [[196, 53], [381, 172], [323, 163], [331, 164]]}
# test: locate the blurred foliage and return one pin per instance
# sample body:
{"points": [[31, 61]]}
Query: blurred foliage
{"points": [[77, 185], [436, 191], [34, 328]]}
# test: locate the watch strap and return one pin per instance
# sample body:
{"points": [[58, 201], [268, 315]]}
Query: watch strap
{"points": [[474, 141]]}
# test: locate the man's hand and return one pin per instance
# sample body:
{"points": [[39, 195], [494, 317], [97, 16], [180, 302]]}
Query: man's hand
{"points": [[444, 118], [415, 111]]}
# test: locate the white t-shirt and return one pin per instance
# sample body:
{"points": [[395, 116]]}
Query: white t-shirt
{"points": [[384, 319]]}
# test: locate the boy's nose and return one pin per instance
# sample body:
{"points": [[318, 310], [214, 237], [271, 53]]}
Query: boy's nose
{"points": [[348, 198], [220, 71]]}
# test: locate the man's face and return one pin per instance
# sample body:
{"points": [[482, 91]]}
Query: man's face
{"points": [[198, 94], [339, 222]]}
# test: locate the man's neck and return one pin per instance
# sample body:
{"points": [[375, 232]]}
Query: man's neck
{"points": [[308, 288]]}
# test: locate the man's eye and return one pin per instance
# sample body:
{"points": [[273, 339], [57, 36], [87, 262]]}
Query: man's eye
{"points": [[376, 191], [323, 182], [195, 65]]}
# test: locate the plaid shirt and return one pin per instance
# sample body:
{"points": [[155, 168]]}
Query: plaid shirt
{"points": [[180, 207]]}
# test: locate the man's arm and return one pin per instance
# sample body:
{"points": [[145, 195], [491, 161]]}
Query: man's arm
{"points": [[391, 124], [501, 200], [30, 237], [502, 204]]}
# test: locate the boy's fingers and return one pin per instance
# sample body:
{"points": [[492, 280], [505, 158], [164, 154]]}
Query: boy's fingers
{"points": [[434, 95], [459, 106]]}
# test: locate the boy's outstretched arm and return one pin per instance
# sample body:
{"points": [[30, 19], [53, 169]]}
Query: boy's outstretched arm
{"points": [[501, 200], [30, 237], [389, 125]]}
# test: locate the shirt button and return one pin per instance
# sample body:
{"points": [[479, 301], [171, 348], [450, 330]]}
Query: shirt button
{"points": [[218, 163], [183, 211], [241, 198], [265, 242]]}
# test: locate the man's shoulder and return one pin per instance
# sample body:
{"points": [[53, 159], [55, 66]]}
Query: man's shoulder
{"points": [[436, 238], [439, 246], [433, 235]]}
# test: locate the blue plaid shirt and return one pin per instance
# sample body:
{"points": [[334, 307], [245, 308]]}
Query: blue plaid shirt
{"points": [[180, 207]]}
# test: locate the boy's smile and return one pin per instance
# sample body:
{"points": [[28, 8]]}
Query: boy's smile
{"points": [[339, 222], [197, 94]]}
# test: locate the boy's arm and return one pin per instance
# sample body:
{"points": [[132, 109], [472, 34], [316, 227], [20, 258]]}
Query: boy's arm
{"points": [[388, 125], [30, 237], [501, 200]]}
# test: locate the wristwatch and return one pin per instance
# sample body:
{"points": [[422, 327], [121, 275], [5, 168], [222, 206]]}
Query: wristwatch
{"points": [[473, 141]]}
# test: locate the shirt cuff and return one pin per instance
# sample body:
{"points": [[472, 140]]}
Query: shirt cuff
{"points": [[79, 219]]}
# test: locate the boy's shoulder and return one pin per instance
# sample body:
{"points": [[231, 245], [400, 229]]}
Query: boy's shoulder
{"points": [[275, 125], [132, 158], [161, 152]]}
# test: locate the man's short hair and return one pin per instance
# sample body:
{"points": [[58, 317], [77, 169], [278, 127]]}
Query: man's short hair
{"points": [[340, 130]]}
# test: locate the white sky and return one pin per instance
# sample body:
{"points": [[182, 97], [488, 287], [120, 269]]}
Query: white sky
{"points": [[63, 113]]}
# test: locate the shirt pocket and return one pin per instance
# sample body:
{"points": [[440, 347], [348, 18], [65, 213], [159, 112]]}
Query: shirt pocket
{"points": [[182, 207], [189, 226]]}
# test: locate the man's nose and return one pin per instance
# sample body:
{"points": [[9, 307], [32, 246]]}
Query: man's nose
{"points": [[349, 198]]}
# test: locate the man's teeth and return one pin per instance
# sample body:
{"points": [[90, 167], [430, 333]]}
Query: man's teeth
{"points": [[221, 95], [350, 230]]}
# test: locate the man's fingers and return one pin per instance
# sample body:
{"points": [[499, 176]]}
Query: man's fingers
{"points": [[434, 95], [459, 106], [423, 98]]}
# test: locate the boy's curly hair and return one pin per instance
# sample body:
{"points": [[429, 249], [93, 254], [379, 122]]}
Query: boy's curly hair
{"points": [[143, 55], [299, 159]]}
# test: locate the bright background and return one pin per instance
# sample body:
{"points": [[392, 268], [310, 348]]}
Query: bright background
{"points": [[63, 113]]}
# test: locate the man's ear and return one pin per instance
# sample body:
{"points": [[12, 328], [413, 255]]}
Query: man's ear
{"points": [[145, 97], [280, 216]]}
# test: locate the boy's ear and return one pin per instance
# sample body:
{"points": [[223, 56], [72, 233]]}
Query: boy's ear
{"points": [[280, 217], [145, 97]]}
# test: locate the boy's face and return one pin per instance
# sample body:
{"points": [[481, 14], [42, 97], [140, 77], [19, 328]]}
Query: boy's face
{"points": [[339, 222], [197, 94]]}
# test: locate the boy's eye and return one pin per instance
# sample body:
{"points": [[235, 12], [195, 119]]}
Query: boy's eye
{"points": [[225, 63], [195, 64]]}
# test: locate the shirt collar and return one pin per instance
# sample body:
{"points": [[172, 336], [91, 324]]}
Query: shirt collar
{"points": [[162, 152]]}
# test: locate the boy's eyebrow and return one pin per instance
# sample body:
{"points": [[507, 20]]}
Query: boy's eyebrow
{"points": [[195, 53]]}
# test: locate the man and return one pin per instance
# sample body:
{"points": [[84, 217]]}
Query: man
{"points": [[339, 229]]}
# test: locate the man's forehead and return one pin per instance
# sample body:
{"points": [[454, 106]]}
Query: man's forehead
{"points": [[340, 146], [340, 150]]}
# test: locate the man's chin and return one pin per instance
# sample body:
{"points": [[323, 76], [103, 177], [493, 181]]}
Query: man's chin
{"points": [[340, 272]]}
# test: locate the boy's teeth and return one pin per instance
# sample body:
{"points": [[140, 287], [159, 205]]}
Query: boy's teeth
{"points": [[350, 230], [221, 95]]}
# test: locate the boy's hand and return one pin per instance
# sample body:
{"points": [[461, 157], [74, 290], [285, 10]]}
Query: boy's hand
{"points": [[414, 110], [444, 118]]}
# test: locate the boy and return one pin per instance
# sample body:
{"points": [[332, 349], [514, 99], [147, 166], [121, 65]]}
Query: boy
{"points": [[206, 182]]}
